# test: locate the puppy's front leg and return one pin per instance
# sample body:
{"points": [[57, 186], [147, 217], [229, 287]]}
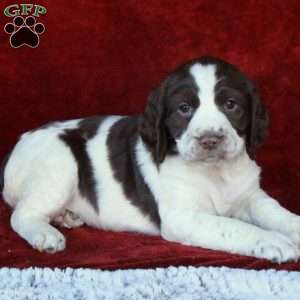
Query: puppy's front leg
{"points": [[221, 233], [266, 212]]}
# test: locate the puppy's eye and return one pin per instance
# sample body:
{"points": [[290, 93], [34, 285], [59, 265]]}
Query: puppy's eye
{"points": [[185, 109], [230, 104]]}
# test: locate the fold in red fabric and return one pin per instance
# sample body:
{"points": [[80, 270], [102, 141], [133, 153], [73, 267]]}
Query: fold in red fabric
{"points": [[104, 57]]}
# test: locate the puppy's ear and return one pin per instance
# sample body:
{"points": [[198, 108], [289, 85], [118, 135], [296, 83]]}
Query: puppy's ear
{"points": [[259, 122], [152, 128]]}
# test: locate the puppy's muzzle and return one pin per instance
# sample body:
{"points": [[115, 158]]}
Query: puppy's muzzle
{"points": [[210, 140]]}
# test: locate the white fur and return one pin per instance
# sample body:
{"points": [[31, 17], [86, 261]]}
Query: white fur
{"points": [[40, 180], [218, 205], [41, 184], [198, 203], [116, 211], [208, 118]]}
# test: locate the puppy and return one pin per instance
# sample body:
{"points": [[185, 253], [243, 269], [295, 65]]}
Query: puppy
{"points": [[183, 169]]}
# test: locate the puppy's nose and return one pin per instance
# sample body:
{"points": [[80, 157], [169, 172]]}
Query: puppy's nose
{"points": [[210, 141]]}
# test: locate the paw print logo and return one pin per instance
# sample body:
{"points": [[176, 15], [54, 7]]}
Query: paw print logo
{"points": [[24, 31]]}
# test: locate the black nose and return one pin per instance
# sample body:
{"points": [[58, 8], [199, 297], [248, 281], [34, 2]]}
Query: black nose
{"points": [[210, 141]]}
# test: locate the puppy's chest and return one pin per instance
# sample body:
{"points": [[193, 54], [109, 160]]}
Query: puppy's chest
{"points": [[211, 190]]}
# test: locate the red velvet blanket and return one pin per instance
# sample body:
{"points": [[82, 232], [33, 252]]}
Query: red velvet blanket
{"points": [[103, 57]]}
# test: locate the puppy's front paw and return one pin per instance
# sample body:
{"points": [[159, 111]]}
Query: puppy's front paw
{"points": [[49, 241], [291, 228], [277, 248]]}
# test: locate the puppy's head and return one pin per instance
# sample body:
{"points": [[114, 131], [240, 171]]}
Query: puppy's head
{"points": [[206, 110]]}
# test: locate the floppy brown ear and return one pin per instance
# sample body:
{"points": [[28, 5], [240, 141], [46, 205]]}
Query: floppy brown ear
{"points": [[259, 123], [151, 126]]}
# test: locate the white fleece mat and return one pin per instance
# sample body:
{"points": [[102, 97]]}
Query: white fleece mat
{"points": [[183, 283]]}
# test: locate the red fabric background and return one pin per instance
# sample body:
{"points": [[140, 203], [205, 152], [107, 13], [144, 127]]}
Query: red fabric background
{"points": [[103, 57]]}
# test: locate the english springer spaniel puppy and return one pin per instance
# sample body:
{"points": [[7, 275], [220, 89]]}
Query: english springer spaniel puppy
{"points": [[183, 169]]}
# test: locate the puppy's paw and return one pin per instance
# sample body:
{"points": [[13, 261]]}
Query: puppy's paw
{"points": [[277, 248], [68, 220], [49, 241], [291, 228]]}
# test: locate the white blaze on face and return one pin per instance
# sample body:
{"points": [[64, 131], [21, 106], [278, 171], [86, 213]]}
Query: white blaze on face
{"points": [[205, 78], [208, 118]]}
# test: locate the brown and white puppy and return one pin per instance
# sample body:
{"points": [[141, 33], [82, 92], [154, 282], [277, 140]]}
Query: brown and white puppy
{"points": [[183, 169]]}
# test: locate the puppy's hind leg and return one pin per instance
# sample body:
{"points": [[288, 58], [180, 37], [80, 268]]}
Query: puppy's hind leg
{"points": [[37, 231], [33, 214]]}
